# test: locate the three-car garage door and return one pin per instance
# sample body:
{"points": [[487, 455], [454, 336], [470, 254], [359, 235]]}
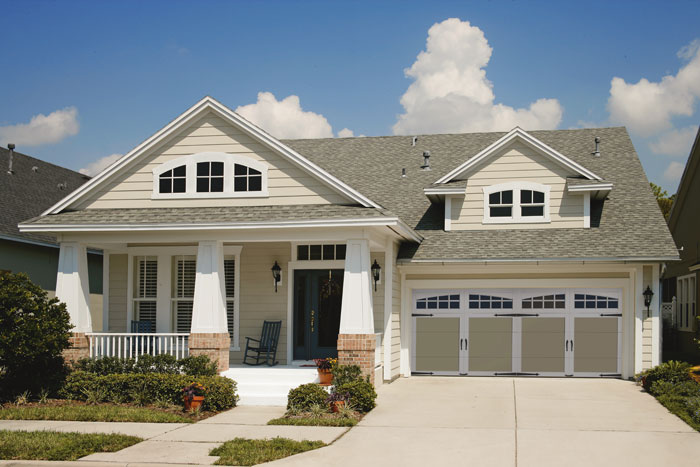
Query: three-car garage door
{"points": [[564, 332]]}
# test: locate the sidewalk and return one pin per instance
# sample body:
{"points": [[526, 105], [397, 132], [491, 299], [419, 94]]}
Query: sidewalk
{"points": [[177, 443]]}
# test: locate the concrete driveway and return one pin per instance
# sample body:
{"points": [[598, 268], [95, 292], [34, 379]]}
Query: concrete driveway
{"points": [[434, 421]]}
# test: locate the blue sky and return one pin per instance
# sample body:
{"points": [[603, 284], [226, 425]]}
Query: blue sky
{"points": [[110, 74]]}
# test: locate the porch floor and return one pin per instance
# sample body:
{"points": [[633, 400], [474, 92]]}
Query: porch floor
{"points": [[264, 385]]}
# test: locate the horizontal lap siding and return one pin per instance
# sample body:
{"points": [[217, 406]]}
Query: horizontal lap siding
{"points": [[396, 324], [118, 265], [258, 300], [517, 163], [288, 184]]}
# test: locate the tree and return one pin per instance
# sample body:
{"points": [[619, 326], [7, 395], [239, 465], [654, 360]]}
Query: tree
{"points": [[665, 201], [34, 332]]}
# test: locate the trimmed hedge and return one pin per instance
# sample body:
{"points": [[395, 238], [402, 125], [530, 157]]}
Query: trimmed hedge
{"points": [[146, 388], [306, 395], [362, 394], [199, 365]]}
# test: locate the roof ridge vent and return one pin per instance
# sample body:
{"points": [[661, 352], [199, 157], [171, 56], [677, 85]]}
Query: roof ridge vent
{"points": [[596, 153], [414, 140], [426, 160]]}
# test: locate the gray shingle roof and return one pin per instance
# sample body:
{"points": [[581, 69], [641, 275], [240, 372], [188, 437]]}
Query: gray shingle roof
{"points": [[627, 224], [27, 192]]}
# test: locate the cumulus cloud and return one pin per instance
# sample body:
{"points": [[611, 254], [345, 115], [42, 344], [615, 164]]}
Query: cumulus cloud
{"points": [[647, 107], [346, 133], [673, 172], [99, 165], [450, 91], [42, 129], [285, 118], [674, 143]]}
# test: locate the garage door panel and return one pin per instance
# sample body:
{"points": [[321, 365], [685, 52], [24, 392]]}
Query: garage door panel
{"points": [[490, 344], [437, 344], [596, 345], [542, 348]]}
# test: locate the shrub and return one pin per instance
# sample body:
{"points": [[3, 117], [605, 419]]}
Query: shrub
{"points": [[671, 389], [346, 373], [305, 396], [201, 365], [362, 394], [671, 371], [34, 332], [148, 387]]}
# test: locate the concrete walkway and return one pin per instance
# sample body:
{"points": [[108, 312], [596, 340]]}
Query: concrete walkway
{"points": [[512, 422]]}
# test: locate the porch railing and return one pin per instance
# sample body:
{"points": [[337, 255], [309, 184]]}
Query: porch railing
{"points": [[378, 350], [133, 345]]}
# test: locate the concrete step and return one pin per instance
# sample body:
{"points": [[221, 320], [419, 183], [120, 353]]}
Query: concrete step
{"points": [[269, 385], [251, 399]]}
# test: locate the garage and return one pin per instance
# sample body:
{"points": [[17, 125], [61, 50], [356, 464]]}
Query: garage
{"points": [[517, 332]]}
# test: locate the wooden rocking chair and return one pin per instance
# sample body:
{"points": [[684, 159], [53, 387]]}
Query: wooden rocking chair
{"points": [[265, 348]]}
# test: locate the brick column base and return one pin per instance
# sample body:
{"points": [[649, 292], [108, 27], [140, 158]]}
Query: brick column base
{"points": [[357, 349], [79, 347], [214, 345]]}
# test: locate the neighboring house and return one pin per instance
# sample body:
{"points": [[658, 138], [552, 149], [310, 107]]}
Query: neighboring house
{"points": [[681, 283], [500, 253], [28, 187]]}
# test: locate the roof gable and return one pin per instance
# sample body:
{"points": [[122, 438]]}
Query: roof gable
{"points": [[516, 134], [208, 104]]}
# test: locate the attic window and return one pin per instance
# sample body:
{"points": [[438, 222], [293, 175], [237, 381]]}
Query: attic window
{"points": [[516, 202], [210, 177], [173, 180], [246, 178]]}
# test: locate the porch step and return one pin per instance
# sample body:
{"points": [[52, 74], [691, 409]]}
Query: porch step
{"points": [[268, 385]]}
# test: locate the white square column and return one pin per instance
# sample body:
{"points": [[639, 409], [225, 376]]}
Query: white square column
{"points": [[72, 285], [209, 307], [356, 315]]}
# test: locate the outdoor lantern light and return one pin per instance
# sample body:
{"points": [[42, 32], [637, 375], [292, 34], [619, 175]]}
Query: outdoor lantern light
{"points": [[647, 298], [375, 273], [276, 274]]}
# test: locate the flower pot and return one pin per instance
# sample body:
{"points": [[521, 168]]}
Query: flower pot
{"points": [[336, 406], [194, 403], [325, 376]]}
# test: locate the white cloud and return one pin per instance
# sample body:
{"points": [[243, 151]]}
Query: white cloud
{"points": [[285, 118], [674, 143], [647, 107], [99, 165], [42, 129], [673, 172], [451, 93], [346, 133]]}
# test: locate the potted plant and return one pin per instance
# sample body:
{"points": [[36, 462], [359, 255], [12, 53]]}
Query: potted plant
{"points": [[325, 366], [193, 395], [337, 401]]}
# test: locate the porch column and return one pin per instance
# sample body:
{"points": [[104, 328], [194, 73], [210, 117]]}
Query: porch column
{"points": [[356, 340], [209, 331], [72, 288]]}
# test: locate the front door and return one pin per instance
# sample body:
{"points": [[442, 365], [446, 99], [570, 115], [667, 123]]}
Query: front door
{"points": [[318, 294]]}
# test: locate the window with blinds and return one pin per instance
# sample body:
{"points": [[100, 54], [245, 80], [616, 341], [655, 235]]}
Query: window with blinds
{"points": [[230, 279], [184, 273], [146, 290]]}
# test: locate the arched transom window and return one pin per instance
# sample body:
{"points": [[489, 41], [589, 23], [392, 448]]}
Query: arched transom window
{"points": [[516, 202], [210, 175]]}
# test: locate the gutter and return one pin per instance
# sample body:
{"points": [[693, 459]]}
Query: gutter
{"points": [[626, 259]]}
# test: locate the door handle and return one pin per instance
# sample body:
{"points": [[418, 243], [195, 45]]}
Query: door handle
{"points": [[460, 343], [572, 345], [567, 345], [466, 344]]}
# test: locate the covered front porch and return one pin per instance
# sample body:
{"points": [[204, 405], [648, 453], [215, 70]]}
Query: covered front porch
{"points": [[193, 292]]}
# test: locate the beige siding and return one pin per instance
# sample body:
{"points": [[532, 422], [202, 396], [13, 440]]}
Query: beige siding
{"points": [[646, 343], [517, 162], [258, 300], [288, 184], [118, 265], [396, 323]]}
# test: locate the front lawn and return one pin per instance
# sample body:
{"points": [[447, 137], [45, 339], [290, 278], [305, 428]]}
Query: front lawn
{"points": [[77, 411], [309, 419], [240, 451], [54, 446]]}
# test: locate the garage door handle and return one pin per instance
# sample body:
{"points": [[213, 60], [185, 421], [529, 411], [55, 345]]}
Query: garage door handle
{"points": [[572, 345], [567, 345], [466, 344], [460, 344]]}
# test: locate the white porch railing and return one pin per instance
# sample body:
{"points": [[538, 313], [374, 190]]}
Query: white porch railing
{"points": [[378, 350], [133, 345]]}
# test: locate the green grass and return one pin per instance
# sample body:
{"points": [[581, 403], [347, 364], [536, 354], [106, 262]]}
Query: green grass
{"points": [[677, 406], [240, 451], [91, 413], [54, 446], [313, 421]]}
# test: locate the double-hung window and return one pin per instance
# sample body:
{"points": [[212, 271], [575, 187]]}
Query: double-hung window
{"points": [[146, 289], [516, 202], [184, 273], [686, 303]]}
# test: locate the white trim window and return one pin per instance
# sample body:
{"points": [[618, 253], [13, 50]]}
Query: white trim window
{"points": [[146, 289], [686, 302], [232, 315], [184, 275], [210, 175], [516, 202]]}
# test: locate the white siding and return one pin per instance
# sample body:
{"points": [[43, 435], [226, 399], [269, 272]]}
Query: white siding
{"points": [[287, 183], [396, 323], [517, 162]]}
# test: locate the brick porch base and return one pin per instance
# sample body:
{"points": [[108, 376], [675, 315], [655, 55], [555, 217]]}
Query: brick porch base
{"points": [[357, 349], [79, 347], [214, 345]]}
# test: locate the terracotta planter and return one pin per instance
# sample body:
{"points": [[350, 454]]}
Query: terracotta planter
{"points": [[194, 403], [336, 406], [325, 376]]}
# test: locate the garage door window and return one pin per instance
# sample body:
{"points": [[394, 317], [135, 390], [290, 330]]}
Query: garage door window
{"points": [[438, 302], [545, 302], [487, 302], [595, 302]]}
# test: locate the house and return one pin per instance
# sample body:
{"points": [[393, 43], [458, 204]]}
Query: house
{"points": [[518, 253], [29, 186], [680, 280]]}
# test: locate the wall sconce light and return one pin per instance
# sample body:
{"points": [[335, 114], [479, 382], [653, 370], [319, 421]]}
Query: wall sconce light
{"points": [[648, 294], [276, 274], [376, 268]]}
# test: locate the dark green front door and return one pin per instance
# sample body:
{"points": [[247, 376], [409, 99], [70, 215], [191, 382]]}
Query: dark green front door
{"points": [[318, 294]]}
